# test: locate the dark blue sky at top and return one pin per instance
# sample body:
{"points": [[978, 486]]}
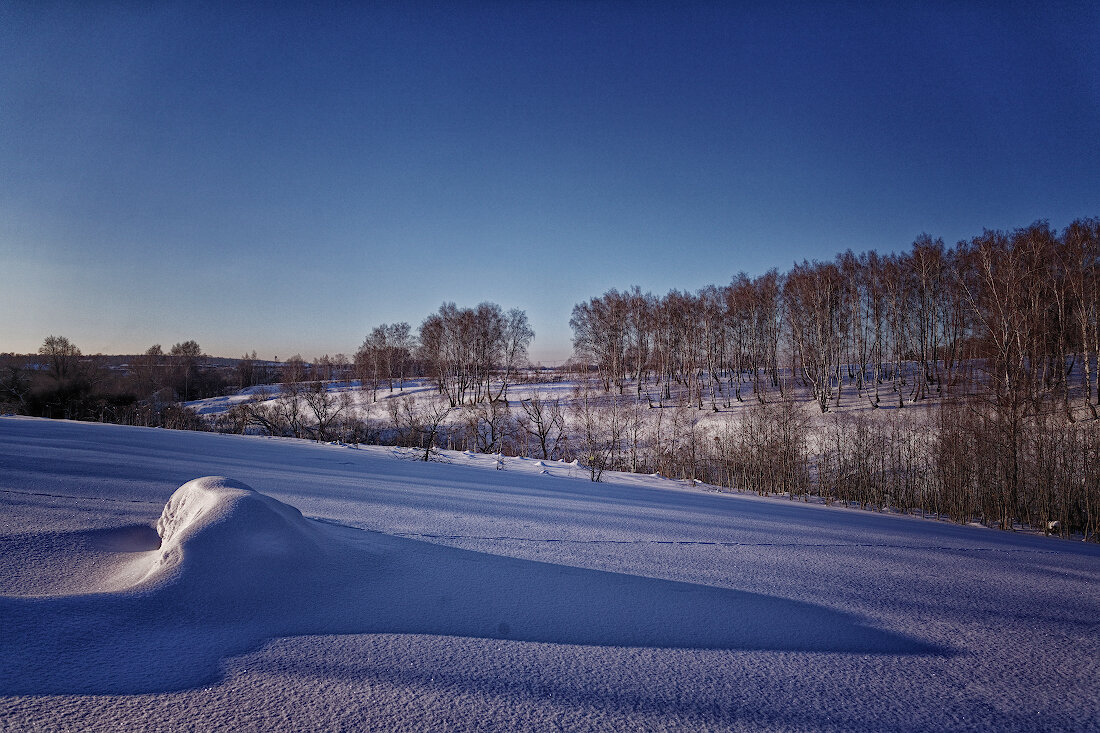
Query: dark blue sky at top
{"points": [[285, 177]]}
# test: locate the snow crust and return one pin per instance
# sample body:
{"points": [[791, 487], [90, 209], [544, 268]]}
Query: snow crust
{"points": [[455, 596]]}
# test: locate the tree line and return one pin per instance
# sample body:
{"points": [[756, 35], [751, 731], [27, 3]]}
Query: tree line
{"points": [[471, 354], [1003, 330], [1013, 315], [59, 381]]}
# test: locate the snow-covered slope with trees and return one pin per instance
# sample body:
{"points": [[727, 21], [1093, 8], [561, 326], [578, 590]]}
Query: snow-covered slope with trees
{"points": [[325, 587]]}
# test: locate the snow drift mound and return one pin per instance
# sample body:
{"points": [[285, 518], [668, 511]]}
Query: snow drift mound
{"points": [[226, 536]]}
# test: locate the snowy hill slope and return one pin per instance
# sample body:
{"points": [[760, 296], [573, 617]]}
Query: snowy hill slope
{"points": [[415, 595]]}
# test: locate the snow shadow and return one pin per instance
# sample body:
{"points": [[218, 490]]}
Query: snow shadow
{"points": [[175, 635], [473, 594]]}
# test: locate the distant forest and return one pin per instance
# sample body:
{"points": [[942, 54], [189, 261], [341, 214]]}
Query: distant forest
{"points": [[1011, 316], [1000, 334], [958, 381]]}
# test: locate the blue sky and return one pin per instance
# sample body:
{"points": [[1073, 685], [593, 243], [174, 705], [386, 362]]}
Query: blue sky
{"points": [[284, 178]]}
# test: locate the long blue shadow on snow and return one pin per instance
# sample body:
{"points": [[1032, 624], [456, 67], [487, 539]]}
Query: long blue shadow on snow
{"points": [[176, 637]]}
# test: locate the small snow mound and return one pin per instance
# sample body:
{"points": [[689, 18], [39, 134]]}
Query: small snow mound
{"points": [[217, 527], [203, 502]]}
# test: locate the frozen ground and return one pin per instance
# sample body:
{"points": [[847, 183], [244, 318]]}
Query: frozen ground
{"points": [[454, 596]]}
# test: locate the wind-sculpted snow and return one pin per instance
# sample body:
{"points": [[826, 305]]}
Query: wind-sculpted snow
{"points": [[246, 567], [221, 534], [434, 596]]}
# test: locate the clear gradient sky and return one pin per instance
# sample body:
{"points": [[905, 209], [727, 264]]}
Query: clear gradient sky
{"points": [[285, 177]]}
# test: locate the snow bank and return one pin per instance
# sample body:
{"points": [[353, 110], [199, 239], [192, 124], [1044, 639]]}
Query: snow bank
{"points": [[215, 535], [431, 596], [235, 567], [229, 534], [232, 568]]}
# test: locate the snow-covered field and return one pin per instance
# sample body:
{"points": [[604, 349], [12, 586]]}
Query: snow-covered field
{"points": [[370, 405], [453, 596]]}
